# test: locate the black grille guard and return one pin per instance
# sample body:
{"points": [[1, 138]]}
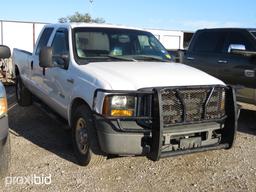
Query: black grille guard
{"points": [[228, 132]]}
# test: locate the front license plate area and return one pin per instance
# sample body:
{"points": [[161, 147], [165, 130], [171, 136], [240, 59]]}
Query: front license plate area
{"points": [[189, 143]]}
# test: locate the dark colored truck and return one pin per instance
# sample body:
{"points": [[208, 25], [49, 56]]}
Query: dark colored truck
{"points": [[228, 54]]}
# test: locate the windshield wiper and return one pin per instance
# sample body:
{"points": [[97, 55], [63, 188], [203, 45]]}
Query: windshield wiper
{"points": [[149, 58], [121, 58], [88, 60]]}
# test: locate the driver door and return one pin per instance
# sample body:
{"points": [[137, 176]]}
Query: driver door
{"points": [[56, 78]]}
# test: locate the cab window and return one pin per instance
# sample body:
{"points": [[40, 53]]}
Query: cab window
{"points": [[60, 47], [209, 42], [44, 39]]}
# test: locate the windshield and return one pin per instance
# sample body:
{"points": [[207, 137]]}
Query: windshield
{"points": [[108, 44]]}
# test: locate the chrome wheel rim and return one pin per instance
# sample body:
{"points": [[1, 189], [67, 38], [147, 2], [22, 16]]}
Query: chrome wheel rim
{"points": [[82, 136]]}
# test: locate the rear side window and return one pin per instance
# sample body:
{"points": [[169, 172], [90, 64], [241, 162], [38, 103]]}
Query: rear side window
{"points": [[44, 39], [209, 41]]}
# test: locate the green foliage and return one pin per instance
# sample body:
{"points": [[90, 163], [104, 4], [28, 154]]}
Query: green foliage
{"points": [[79, 17]]}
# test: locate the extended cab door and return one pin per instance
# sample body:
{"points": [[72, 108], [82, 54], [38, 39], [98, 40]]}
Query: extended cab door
{"points": [[205, 50], [57, 80]]}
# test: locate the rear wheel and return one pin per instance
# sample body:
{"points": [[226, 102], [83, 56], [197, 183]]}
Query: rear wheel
{"points": [[23, 95], [84, 138]]}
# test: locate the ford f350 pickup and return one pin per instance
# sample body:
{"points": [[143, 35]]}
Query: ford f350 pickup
{"points": [[120, 94]]}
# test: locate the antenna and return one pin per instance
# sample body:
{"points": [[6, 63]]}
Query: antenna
{"points": [[90, 7]]}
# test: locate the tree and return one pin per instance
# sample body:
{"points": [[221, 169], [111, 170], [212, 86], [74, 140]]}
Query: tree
{"points": [[79, 17]]}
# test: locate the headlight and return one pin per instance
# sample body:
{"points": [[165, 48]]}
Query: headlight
{"points": [[3, 106], [119, 106]]}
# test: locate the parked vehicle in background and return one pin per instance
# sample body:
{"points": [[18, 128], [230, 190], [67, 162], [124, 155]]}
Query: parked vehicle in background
{"points": [[120, 94], [173, 40], [230, 55], [4, 127]]}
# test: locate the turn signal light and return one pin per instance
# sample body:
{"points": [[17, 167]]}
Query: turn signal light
{"points": [[3, 106]]}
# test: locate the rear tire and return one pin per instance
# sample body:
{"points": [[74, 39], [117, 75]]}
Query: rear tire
{"points": [[23, 95], [5, 158], [84, 138]]}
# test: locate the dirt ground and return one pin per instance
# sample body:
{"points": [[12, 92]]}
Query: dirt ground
{"points": [[42, 148]]}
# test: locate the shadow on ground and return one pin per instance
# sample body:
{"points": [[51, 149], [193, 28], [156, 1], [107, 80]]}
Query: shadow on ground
{"points": [[247, 122], [36, 126]]}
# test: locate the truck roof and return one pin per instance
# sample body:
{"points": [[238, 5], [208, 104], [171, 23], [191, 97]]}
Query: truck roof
{"points": [[74, 25], [228, 29]]}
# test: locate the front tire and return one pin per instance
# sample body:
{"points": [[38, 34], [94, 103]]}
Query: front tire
{"points": [[23, 95], [84, 138]]}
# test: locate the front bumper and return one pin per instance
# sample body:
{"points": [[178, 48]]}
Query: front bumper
{"points": [[4, 127], [113, 141], [128, 137], [3, 143]]}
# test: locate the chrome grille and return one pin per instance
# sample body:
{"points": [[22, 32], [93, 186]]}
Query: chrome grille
{"points": [[188, 105]]}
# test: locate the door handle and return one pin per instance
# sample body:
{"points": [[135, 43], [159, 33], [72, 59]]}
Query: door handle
{"points": [[61, 95], [249, 73], [222, 61], [32, 65], [70, 80], [190, 58]]}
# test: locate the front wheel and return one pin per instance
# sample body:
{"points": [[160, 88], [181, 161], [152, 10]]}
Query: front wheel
{"points": [[84, 138]]}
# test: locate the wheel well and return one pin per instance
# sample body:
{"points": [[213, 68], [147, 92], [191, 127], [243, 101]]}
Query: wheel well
{"points": [[77, 102]]}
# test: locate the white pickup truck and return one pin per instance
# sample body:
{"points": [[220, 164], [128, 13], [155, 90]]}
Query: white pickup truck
{"points": [[120, 94]]}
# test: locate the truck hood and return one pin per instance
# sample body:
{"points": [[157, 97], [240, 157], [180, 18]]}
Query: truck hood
{"points": [[136, 75]]}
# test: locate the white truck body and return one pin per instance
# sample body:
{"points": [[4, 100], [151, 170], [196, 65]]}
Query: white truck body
{"points": [[92, 81]]}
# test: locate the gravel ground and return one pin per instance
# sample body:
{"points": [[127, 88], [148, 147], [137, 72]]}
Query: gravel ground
{"points": [[42, 148]]}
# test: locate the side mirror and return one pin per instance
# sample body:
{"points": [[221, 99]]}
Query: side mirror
{"points": [[5, 52], [239, 47], [61, 60], [45, 57]]}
